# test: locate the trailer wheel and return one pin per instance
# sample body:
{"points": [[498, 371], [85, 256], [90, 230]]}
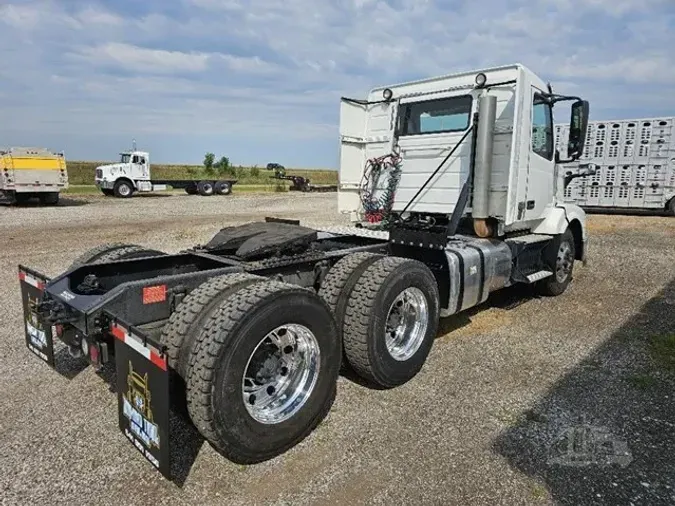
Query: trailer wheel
{"points": [[111, 252], [559, 256], [123, 189], [264, 371], [205, 188], [191, 190], [391, 320], [223, 188], [189, 317], [338, 284]]}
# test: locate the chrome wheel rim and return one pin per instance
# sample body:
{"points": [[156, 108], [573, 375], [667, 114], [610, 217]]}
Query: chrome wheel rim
{"points": [[406, 324], [281, 373], [124, 190], [564, 261]]}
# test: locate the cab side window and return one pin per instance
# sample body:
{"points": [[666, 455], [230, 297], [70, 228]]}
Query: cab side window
{"points": [[542, 128], [134, 159]]}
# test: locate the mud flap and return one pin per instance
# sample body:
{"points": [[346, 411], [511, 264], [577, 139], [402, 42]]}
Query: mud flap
{"points": [[143, 393], [39, 335]]}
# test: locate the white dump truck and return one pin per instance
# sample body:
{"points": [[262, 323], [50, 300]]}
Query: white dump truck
{"points": [[27, 173], [132, 174], [455, 189]]}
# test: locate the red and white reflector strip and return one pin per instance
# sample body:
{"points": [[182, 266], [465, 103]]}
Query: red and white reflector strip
{"points": [[33, 281], [135, 342]]}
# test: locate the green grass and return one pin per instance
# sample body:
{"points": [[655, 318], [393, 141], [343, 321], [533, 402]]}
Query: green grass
{"points": [[82, 173], [81, 190]]}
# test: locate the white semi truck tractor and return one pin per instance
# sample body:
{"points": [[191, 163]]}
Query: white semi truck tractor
{"points": [[455, 190], [132, 174]]}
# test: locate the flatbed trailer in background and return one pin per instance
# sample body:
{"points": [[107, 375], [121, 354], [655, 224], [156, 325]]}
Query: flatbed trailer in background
{"points": [[299, 183], [635, 166]]}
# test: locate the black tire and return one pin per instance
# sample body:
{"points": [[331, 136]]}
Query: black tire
{"points": [[365, 320], [223, 188], [338, 284], [205, 188], [191, 190], [107, 193], [559, 257], [221, 356], [110, 252], [49, 199], [187, 321], [123, 189], [670, 207]]}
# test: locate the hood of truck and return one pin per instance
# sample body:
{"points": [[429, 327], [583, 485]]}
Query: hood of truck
{"points": [[113, 168]]}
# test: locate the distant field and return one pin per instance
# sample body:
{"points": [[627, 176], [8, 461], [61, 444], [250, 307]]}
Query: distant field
{"points": [[82, 173]]}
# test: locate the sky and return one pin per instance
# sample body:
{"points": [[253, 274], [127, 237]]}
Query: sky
{"points": [[261, 80]]}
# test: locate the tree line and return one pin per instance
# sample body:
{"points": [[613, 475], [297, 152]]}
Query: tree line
{"points": [[223, 166]]}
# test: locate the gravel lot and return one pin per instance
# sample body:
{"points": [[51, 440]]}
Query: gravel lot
{"points": [[481, 424]]}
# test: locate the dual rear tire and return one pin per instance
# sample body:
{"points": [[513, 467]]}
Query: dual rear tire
{"points": [[258, 361], [207, 188], [387, 311], [255, 362]]}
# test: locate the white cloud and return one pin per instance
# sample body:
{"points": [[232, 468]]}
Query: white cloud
{"points": [[129, 57]]}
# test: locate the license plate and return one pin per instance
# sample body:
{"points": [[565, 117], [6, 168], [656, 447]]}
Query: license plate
{"points": [[39, 335], [143, 394]]}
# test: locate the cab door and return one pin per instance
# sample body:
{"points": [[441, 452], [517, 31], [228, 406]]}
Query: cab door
{"points": [[541, 167]]}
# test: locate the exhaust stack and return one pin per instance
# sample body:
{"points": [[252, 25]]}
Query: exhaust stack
{"points": [[487, 114]]}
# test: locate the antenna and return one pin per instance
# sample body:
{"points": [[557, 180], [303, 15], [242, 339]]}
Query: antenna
{"points": [[133, 141]]}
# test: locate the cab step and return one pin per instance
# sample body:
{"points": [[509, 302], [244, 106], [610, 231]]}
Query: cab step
{"points": [[538, 276]]}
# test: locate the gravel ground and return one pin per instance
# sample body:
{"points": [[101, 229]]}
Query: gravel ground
{"points": [[483, 423]]}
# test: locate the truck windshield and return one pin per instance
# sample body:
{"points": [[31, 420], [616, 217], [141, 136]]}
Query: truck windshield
{"points": [[436, 116], [126, 158]]}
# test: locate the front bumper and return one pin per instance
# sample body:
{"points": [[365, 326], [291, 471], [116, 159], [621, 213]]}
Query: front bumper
{"points": [[103, 184]]}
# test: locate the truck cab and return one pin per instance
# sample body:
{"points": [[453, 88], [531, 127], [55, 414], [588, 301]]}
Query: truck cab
{"points": [[475, 147], [130, 174]]}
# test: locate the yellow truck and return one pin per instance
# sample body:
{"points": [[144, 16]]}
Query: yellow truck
{"points": [[27, 173]]}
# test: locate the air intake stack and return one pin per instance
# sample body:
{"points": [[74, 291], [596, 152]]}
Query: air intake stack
{"points": [[487, 114]]}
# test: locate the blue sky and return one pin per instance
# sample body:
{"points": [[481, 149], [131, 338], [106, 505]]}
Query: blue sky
{"points": [[260, 80]]}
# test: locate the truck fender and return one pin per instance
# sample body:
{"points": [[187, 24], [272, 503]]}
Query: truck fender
{"points": [[128, 180], [561, 217]]}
